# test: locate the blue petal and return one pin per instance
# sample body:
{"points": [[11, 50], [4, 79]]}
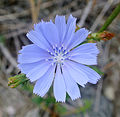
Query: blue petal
{"points": [[71, 86], [71, 26], [32, 53], [38, 39], [39, 71], [90, 48], [38, 26], [91, 74], [25, 68], [85, 54], [78, 37], [84, 58], [43, 84], [80, 77], [61, 26], [59, 86], [71, 19], [50, 32]]}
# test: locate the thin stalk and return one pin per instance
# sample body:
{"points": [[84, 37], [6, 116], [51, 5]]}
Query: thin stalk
{"points": [[114, 14]]}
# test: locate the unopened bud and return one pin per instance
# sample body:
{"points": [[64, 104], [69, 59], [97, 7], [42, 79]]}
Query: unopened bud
{"points": [[17, 80], [94, 37], [105, 35]]}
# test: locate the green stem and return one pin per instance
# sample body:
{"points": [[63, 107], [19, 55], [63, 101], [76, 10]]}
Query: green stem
{"points": [[111, 18]]}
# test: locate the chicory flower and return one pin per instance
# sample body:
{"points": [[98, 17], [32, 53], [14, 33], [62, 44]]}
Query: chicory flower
{"points": [[52, 58]]}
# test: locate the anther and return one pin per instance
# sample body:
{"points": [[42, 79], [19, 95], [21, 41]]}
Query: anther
{"points": [[53, 47], [56, 45], [46, 59], [51, 53], [52, 64], [66, 52], [48, 50]]}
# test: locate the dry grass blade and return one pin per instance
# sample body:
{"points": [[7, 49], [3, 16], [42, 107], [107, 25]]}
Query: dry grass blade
{"points": [[100, 16], [33, 11], [85, 13], [8, 56]]}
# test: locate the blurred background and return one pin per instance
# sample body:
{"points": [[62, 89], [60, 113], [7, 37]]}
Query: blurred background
{"points": [[17, 18]]}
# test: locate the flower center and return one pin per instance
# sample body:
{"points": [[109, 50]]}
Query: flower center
{"points": [[58, 58], [59, 55]]}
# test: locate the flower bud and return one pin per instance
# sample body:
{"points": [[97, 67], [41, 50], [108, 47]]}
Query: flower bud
{"points": [[17, 80], [94, 37]]}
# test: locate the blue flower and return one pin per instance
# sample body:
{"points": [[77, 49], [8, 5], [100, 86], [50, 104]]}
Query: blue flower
{"points": [[52, 59]]}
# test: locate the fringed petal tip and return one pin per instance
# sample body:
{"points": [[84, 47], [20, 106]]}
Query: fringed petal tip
{"points": [[71, 16], [73, 99], [95, 81], [63, 101], [29, 32], [86, 30], [98, 79], [38, 94], [20, 51], [59, 16], [84, 85], [89, 32]]}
